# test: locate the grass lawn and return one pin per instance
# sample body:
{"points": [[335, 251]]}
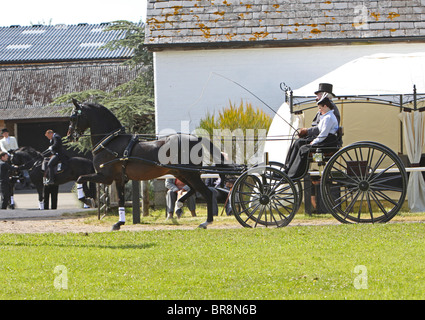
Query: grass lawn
{"points": [[332, 261]]}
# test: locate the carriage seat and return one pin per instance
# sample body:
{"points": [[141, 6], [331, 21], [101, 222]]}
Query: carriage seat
{"points": [[327, 152]]}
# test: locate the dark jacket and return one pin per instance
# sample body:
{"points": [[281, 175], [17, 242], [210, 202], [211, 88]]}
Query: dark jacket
{"points": [[4, 172], [56, 144]]}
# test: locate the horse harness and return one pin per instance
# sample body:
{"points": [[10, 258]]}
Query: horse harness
{"points": [[101, 145], [127, 151]]}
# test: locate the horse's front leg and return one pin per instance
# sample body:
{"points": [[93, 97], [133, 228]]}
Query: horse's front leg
{"points": [[40, 191], [121, 209], [81, 193]]}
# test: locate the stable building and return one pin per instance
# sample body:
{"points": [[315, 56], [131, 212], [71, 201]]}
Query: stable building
{"points": [[40, 63]]}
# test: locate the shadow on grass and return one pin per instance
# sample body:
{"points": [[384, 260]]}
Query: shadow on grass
{"points": [[70, 245]]}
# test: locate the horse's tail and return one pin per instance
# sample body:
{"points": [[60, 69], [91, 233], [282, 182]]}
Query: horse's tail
{"points": [[220, 158]]}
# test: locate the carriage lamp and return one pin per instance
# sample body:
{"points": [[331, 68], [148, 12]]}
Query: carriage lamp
{"points": [[318, 156]]}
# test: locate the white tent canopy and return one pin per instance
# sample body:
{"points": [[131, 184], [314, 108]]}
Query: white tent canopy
{"points": [[378, 74], [386, 75]]}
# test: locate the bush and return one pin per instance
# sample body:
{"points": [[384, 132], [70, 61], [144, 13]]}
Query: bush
{"points": [[241, 130]]}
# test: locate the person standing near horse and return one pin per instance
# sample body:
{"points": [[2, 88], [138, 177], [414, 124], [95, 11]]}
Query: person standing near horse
{"points": [[5, 168], [58, 155], [7, 143]]}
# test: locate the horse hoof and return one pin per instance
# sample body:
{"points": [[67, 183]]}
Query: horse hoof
{"points": [[179, 213], [92, 203], [204, 225], [117, 226]]}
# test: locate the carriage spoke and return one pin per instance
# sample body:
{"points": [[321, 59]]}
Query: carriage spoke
{"points": [[249, 215], [379, 204], [259, 216], [378, 163], [272, 215], [349, 208], [345, 175], [346, 195], [250, 185], [369, 206], [385, 197], [361, 205], [282, 214]]}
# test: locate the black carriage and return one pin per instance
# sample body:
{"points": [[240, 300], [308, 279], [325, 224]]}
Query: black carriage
{"points": [[364, 182]]}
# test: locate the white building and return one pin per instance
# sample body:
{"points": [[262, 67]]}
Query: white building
{"points": [[205, 50]]}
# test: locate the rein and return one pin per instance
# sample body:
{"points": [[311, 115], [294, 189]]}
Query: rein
{"points": [[35, 162]]}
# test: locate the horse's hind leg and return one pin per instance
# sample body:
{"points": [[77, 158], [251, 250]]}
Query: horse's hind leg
{"points": [[195, 182], [181, 200], [121, 209]]}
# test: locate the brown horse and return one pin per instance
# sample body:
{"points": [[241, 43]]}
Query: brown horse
{"points": [[120, 157]]}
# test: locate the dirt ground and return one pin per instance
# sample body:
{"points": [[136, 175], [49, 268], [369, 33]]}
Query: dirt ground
{"points": [[27, 218]]}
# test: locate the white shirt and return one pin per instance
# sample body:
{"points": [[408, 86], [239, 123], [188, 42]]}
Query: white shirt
{"points": [[328, 125], [8, 143]]}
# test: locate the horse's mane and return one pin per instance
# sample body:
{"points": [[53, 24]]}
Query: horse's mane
{"points": [[30, 150], [100, 108]]}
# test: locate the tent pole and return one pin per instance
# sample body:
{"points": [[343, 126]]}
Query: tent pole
{"points": [[414, 97]]}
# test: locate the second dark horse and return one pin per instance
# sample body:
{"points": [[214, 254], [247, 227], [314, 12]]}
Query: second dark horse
{"points": [[120, 157], [27, 158]]}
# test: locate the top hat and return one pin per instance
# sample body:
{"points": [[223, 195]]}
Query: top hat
{"points": [[325, 87], [4, 130]]}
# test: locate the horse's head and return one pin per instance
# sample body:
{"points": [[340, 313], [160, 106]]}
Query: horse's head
{"points": [[78, 122], [15, 157], [24, 156], [16, 160]]}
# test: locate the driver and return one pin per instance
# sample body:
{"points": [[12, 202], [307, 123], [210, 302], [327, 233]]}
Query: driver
{"points": [[327, 128], [56, 149], [324, 88]]}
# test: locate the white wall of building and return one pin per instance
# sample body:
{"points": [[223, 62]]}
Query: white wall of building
{"points": [[188, 82]]}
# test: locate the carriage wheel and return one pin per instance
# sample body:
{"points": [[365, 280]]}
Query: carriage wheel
{"points": [[365, 182], [264, 196]]}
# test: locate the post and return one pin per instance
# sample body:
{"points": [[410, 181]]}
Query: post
{"points": [[136, 201], [145, 198], [98, 199]]}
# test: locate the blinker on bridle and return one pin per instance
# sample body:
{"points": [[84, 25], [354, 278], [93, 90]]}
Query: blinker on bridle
{"points": [[74, 121]]}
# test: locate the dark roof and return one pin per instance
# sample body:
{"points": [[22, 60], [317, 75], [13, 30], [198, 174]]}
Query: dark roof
{"points": [[40, 43], [26, 91]]}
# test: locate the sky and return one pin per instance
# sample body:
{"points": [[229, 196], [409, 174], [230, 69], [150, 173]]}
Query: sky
{"points": [[29, 12]]}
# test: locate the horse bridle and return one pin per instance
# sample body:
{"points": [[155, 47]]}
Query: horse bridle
{"points": [[75, 116], [27, 164]]}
